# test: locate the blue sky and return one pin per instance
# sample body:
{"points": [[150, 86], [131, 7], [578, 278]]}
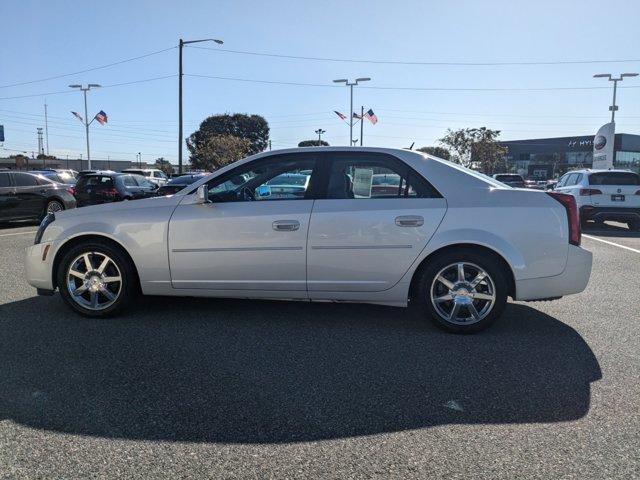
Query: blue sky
{"points": [[49, 38]]}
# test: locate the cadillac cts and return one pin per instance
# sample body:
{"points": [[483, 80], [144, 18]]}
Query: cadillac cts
{"points": [[371, 225]]}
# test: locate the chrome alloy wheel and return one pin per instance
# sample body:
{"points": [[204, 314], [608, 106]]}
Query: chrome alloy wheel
{"points": [[54, 206], [463, 293], [94, 281]]}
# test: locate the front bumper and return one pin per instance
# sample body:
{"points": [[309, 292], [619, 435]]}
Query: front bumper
{"points": [[622, 214], [573, 279], [38, 264]]}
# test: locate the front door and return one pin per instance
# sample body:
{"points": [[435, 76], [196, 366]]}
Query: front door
{"points": [[253, 233], [378, 215]]}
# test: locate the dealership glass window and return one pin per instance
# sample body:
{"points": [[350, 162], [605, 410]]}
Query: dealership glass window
{"points": [[630, 160]]}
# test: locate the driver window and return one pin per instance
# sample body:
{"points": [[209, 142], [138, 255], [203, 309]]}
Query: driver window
{"points": [[286, 178]]}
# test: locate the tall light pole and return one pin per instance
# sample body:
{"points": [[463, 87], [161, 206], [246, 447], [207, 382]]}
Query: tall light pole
{"points": [[350, 85], [320, 132], [86, 118], [615, 81], [181, 44]]}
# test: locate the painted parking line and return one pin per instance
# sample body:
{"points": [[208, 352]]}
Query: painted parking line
{"points": [[31, 232], [612, 243]]}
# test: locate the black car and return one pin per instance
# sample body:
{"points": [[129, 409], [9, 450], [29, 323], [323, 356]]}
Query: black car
{"points": [[26, 196], [178, 183], [96, 188]]}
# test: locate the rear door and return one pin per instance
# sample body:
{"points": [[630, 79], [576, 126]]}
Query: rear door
{"points": [[617, 189], [375, 215], [31, 194], [8, 199]]}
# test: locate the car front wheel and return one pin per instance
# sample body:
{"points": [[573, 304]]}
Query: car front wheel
{"points": [[462, 291], [96, 280]]}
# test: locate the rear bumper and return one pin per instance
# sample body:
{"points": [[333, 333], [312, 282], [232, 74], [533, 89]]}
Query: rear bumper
{"points": [[573, 279], [624, 214]]}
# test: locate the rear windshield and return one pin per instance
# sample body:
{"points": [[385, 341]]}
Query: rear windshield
{"points": [[614, 178], [509, 178], [183, 180]]}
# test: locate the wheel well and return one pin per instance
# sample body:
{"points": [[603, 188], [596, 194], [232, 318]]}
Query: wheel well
{"points": [[89, 238], [511, 283]]}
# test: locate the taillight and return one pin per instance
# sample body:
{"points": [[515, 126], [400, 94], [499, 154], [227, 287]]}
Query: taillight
{"points": [[71, 190], [569, 203], [590, 191], [111, 192], [638, 192]]}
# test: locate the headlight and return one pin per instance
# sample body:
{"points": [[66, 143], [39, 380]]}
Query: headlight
{"points": [[46, 221]]}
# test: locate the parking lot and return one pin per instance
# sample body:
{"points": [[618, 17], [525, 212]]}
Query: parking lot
{"points": [[231, 389]]}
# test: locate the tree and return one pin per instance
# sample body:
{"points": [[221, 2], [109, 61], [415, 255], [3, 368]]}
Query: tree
{"points": [[164, 165], [42, 156], [439, 152], [313, 143], [252, 128], [477, 146], [219, 150]]}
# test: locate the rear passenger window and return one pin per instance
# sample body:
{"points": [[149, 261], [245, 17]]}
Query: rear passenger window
{"points": [[4, 180], [129, 181], [25, 180], [368, 176]]}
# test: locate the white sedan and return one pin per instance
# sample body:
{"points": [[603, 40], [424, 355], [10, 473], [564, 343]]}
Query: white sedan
{"points": [[451, 241]]}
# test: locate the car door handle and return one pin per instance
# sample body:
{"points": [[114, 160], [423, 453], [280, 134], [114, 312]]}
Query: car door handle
{"points": [[409, 221], [286, 225]]}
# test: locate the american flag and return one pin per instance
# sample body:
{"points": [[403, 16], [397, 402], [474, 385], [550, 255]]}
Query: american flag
{"points": [[101, 117], [78, 116], [342, 116], [355, 115], [371, 116]]}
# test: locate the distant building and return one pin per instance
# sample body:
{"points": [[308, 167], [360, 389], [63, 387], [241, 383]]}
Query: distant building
{"points": [[550, 157]]}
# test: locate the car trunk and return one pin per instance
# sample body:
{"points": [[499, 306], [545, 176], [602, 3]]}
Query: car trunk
{"points": [[614, 189]]}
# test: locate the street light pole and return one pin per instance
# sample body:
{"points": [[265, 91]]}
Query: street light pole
{"points": [[615, 81], [86, 115], [350, 85], [181, 44], [320, 132]]}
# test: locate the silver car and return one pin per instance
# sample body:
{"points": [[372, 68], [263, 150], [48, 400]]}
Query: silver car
{"points": [[446, 239]]}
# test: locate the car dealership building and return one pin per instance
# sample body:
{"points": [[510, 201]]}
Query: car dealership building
{"points": [[545, 158]]}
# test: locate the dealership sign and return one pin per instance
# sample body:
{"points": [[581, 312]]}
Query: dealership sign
{"points": [[603, 146]]}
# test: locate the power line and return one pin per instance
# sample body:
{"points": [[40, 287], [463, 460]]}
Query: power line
{"points": [[434, 89], [103, 86], [88, 69], [400, 62]]}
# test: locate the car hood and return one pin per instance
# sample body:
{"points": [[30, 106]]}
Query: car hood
{"points": [[153, 202]]}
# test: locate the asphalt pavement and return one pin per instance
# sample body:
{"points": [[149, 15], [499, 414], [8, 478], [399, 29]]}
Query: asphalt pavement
{"points": [[199, 388]]}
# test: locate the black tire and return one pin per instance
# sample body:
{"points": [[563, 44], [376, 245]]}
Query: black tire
{"points": [[421, 295], [128, 285], [51, 202]]}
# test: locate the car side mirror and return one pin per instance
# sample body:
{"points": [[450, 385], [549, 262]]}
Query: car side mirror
{"points": [[203, 193]]}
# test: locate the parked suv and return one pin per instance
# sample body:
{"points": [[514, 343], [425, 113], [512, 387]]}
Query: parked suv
{"points": [[94, 189], [154, 175], [604, 195], [25, 196]]}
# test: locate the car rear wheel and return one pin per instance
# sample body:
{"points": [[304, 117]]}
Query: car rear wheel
{"points": [[53, 206], [462, 291], [96, 280], [634, 225]]}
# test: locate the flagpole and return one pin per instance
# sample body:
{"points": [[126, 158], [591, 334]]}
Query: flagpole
{"points": [[361, 123]]}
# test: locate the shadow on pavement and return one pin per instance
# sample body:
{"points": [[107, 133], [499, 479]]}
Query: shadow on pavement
{"points": [[251, 372], [18, 224], [610, 230]]}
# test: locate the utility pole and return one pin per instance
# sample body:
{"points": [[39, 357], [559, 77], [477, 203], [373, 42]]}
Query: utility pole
{"points": [[320, 132], [46, 125], [350, 85], [269, 145], [86, 120], [613, 108], [181, 44], [40, 147], [361, 123]]}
